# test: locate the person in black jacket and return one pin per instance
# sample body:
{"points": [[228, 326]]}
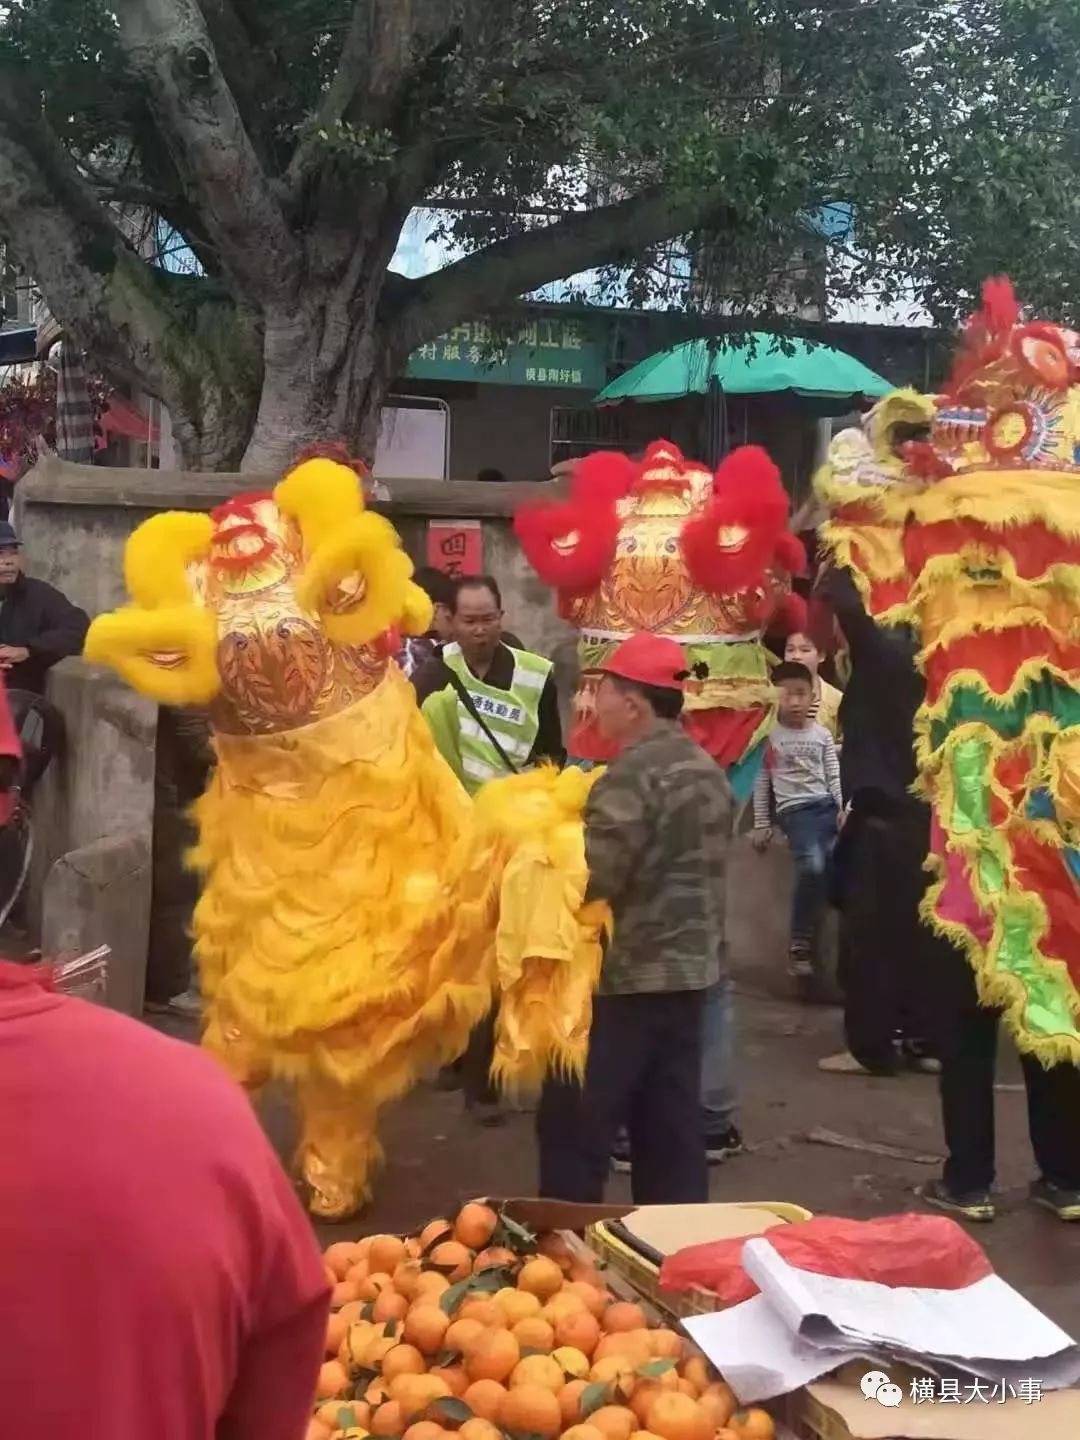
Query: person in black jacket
{"points": [[886, 953], [38, 625]]}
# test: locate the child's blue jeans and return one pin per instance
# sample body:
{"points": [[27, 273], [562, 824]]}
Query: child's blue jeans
{"points": [[811, 833]]}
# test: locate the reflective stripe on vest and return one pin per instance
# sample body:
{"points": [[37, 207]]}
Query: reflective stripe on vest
{"points": [[513, 715]]}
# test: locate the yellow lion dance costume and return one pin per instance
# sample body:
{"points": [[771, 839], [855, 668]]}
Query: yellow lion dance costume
{"points": [[358, 908]]}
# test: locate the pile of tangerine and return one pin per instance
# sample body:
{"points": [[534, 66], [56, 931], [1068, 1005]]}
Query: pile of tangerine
{"points": [[476, 1330]]}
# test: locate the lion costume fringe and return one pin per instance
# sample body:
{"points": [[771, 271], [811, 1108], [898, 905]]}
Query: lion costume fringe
{"points": [[359, 911], [972, 536]]}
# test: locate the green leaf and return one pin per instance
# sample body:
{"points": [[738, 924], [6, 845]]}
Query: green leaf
{"points": [[450, 1299], [346, 1416], [516, 1236], [658, 1367], [390, 1328], [368, 1312], [491, 1279], [527, 1350], [593, 1397], [447, 1357], [449, 1407]]}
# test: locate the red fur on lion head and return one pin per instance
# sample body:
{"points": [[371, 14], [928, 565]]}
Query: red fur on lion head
{"points": [[729, 544], [570, 546], [603, 477]]}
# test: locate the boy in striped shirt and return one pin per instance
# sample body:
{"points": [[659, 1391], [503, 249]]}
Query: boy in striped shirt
{"points": [[800, 780]]}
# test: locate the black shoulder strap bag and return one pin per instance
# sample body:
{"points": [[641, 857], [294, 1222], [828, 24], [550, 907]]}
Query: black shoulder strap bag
{"points": [[467, 700]]}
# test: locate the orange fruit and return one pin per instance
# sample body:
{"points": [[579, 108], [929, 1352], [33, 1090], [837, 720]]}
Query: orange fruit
{"points": [[414, 1393], [480, 1429], [541, 1277], [537, 1371], [677, 1417], [533, 1410], [697, 1372], [376, 1351], [385, 1253], [618, 1371], [485, 1398], [424, 1430], [402, 1360], [582, 1432], [431, 1285], [358, 1337], [374, 1285], [493, 1356], [719, 1403], [388, 1419], [375, 1395], [412, 1248], [463, 1335], [623, 1316], [578, 1329], [573, 1363], [435, 1230], [517, 1305], [340, 1257], [666, 1344], [570, 1401], [337, 1327], [331, 1276], [534, 1334], [351, 1311], [333, 1380], [316, 1430], [484, 1308], [357, 1412], [452, 1259], [752, 1425], [425, 1327], [407, 1278], [453, 1377], [494, 1255], [390, 1306], [630, 1344], [560, 1304], [648, 1435], [475, 1225], [645, 1392], [615, 1422], [342, 1293], [555, 1248], [591, 1296]]}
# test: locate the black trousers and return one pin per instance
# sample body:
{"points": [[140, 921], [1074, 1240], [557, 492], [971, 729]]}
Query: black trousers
{"points": [[475, 1064], [644, 1072], [886, 953], [966, 1042]]}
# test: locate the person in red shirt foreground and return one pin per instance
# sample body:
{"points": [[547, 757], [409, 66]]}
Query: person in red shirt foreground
{"points": [[157, 1275]]}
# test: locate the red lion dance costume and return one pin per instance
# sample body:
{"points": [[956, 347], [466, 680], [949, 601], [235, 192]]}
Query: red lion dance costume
{"points": [[666, 546], [974, 540]]}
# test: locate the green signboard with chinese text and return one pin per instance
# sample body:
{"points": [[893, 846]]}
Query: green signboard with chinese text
{"points": [[546, 351]]}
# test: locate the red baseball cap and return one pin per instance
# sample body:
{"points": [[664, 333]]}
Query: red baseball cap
{"points": [[648, 660]]}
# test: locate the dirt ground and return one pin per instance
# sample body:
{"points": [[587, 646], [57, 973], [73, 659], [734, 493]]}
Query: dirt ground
{"points": [[436, 1156]]}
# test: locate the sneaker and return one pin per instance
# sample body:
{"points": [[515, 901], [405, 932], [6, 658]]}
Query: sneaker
{"points": [[620, 1156], [846, 1064], [188, 1004], [488, 1113], [922, 1064], [1065, 1204], [977, 1207], [722, 1146]]}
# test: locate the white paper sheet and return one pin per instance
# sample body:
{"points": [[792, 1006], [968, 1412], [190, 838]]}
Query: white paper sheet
{"points": [[989, 1320]]}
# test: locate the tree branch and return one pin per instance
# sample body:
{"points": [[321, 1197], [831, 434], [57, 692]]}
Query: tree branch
{"points": [[245, 66], [512, 267], [97, 286], [168, 47]]}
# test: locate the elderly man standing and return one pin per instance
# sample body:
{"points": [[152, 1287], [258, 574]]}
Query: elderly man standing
{"points": [[657, 831], [38, 625]]}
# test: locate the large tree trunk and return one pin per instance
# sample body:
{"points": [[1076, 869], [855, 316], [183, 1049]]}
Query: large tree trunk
{"points": [[305, 400]]}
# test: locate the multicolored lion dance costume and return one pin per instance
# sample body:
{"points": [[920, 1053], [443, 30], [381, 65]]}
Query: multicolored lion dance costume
{"points": [[358, 909], [666, 546], [974, 539]]}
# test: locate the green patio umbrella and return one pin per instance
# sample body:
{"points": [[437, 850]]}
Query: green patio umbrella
{"points": [[757, 367]]}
